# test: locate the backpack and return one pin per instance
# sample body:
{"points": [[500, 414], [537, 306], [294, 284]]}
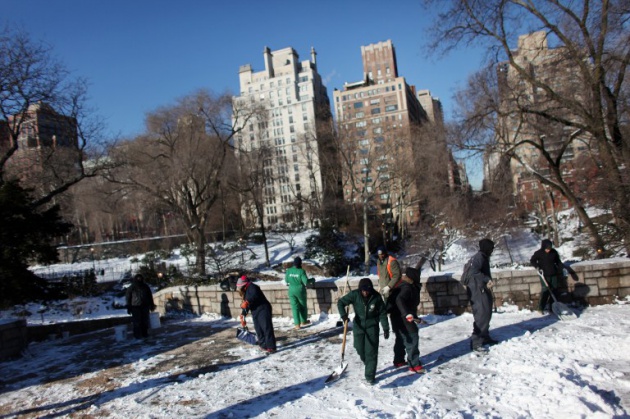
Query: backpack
{"points": [[467, 274]]}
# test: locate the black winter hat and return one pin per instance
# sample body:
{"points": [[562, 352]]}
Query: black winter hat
{"points": [[414, 274], [297, 262], [486, 246], [365, 284], [546, 244]]}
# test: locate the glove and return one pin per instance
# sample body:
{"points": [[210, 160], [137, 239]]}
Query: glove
{"points": [[409, 318], [245, 305], [243, 312], [344, 318], [385, 291], [386, 334], [242, 319], [153, 307]]}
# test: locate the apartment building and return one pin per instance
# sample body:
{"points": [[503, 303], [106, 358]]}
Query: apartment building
{"points": [[47, 146], [534, 56], [375, 117], [290, 138]]}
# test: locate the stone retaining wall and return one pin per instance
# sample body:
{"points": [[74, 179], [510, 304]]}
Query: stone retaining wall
{"points": [[13, 338], [597, 283]]}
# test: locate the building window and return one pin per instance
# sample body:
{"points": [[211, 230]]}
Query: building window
{"points": [[360, 114], [375, 111], [358, 105], [390, 108]]}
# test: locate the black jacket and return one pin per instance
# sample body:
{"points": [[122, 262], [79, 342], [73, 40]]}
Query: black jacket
{"points": [[256, 299], [139, 295], [407, 301], [550, 263]]}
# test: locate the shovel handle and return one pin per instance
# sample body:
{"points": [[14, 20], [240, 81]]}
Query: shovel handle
{"points": [[547, 284], [343, 343]]}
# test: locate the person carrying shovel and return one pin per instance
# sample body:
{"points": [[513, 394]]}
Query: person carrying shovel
{"points": [[369, 309]]}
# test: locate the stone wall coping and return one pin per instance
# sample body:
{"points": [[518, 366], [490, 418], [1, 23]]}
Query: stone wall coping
{"points": [[584, 266]]}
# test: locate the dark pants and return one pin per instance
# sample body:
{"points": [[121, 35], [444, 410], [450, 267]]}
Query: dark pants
{"points": [[140, 320], [407, 342], [481, 302], [264, 327], [545, 293], [366, 345]]}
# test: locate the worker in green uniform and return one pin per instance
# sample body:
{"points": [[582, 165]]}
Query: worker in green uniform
{"points": [[297, 280], [369, 310]]}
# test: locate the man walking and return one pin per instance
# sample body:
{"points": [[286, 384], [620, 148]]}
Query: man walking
{"points": [[480, 295], [139, 302], [369, 310], [404, 314]]}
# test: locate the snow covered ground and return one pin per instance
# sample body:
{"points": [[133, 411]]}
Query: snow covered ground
{"points": [[195, 367], [543, 368]]}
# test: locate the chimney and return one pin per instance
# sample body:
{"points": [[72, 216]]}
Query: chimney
{"points": [[268, 62]]}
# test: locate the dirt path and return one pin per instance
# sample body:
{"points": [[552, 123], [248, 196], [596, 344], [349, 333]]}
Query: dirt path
{"points": [[95, 364]]}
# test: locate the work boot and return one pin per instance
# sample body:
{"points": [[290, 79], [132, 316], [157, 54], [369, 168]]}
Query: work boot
{"points": [[399, 364]]}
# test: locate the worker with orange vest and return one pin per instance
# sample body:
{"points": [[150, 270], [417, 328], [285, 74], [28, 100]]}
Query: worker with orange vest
{"points": [[388, 271]]}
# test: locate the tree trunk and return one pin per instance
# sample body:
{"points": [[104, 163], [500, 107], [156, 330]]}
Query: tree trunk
{"points": [[200, 241]]}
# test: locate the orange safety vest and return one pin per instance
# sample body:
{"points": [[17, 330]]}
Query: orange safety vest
{"points": [[389, 267]]}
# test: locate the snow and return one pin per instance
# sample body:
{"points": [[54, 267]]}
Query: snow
{"points": [[542, 368], [194, 367]]}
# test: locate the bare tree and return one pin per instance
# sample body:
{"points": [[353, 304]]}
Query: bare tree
{"points": [[255, 174], [180, 160], [366, 167], [593, 46], [51, 157]]}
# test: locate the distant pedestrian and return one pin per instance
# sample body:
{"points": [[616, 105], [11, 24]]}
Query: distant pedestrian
{"points": [[480, 294], [139, 303], [369, 310], [547, 261], [297, 281], [404, 314], [254, 301], [388, 271]]}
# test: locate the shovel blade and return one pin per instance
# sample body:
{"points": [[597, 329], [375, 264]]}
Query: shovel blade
{"points": [[563, 311], [337, 373]]}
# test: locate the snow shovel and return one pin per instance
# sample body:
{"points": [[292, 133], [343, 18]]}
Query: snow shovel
{"points": [[559, 309], [342, 367], [246, 336]]}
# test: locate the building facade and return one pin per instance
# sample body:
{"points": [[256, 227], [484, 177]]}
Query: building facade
{"points": [[375, 119], [47, 146], [289, 139], [519, 131]]}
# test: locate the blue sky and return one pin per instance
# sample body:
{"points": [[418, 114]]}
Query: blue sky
{"points": [[139, 55]]}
